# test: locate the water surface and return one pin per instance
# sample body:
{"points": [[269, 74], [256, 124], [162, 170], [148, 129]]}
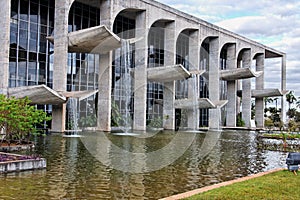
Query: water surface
{"points": [[73, 173]]}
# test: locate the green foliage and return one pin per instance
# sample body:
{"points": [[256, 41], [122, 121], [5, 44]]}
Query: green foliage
{"points": [[279, 124], [155, 122], [269, 123], [116, 116], [292, 125], [19, 119], [290, 98], [239, 121], [89, 121]]}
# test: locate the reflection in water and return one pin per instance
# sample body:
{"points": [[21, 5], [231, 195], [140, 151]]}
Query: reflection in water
{"points": [[73, 173]]}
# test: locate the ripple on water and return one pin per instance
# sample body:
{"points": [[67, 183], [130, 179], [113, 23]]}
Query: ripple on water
{"points": [[73, 173]]}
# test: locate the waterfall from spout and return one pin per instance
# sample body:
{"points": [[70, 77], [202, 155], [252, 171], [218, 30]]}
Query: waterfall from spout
{"points": [[73, 115], [125, 52]]}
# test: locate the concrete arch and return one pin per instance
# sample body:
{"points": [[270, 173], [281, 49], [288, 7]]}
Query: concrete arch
{"points": [[177, 34], [225, 45], [206, 40], [162, 20], [240, 52], [256, 52], [127, 12]]}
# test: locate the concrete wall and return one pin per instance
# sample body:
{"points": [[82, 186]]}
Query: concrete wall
{"points": [[4, 43], [147, 12]]}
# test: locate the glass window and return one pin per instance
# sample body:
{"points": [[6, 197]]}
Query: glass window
{"points": [[34, 11], [24, 8], [14, 9]]}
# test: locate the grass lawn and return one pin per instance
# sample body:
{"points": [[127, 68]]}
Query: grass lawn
{"points": [[279, 185]]}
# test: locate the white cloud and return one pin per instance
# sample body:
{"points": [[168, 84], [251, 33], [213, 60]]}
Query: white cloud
{"points": [[275, 23]]}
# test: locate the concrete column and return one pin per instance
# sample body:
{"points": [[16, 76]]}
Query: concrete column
{"points": [[246, 90], [193, 85], [60, 60], [169, 88], [259, 102], [214, 82], [231, 88], [105, 74], [283, 88], [104, 94], [4, 43], [140, 78]]}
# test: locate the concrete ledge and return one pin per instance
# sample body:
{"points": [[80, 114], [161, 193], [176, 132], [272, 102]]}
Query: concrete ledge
{"points": [[211, 187], [21, 165]]}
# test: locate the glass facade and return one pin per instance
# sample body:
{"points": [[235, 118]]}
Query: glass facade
{"points": [[31, 54], [223, 84], [124, 27], [182, 57], [181, 86], [83, 68], [204, 92], [30, 61], [156, 51]]}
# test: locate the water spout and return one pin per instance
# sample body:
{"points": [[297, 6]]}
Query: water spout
{"points": [[126, 61], [73, 115]]}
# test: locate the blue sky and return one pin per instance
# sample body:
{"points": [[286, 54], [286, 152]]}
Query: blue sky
{"points": [[275, 23]]}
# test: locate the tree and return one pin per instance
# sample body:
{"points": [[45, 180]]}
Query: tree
{"points": [[268, 100], [290, 98], [19, 119], [275, 99], [298, 103]]}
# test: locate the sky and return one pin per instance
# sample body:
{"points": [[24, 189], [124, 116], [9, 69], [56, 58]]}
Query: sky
{"points": [[275, 23]]}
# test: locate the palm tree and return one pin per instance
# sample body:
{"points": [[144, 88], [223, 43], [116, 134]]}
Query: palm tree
{"points": [[298, 103], [290, 98], [275, 99], [268, 100]]}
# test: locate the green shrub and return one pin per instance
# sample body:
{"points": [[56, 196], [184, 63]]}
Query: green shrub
{"points": [[19, 119]]}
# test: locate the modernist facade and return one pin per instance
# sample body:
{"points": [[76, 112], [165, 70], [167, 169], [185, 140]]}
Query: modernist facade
{"points": [[140, 57]]}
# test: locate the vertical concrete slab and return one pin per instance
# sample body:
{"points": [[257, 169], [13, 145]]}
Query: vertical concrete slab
{"points": [[104, 94], [4, 43], [60, 60], [246, 89], [231, 88], [105, 73], [259, 102], [194, 59], [283, 88], [140, 78], [214, 82], [169, 88]]}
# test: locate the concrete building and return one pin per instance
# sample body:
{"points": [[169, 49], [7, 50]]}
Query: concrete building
{"points": [[179, 68]]}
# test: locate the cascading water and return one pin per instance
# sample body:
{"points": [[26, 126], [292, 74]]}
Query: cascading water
{"points": [[73, 115], [126, 62]]}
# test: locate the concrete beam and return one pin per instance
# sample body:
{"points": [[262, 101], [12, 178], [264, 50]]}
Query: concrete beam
{"points": [[169, 87], [239, 73], [167, 73], [140, 76], [267, 93], [259, 101], [98, 40], [231, 87], [214, 82], [246, 91], [38, 94], [190, 104]]}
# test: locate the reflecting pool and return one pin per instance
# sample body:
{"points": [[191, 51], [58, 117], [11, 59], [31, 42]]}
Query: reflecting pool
{"points": [[75, 172]]}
